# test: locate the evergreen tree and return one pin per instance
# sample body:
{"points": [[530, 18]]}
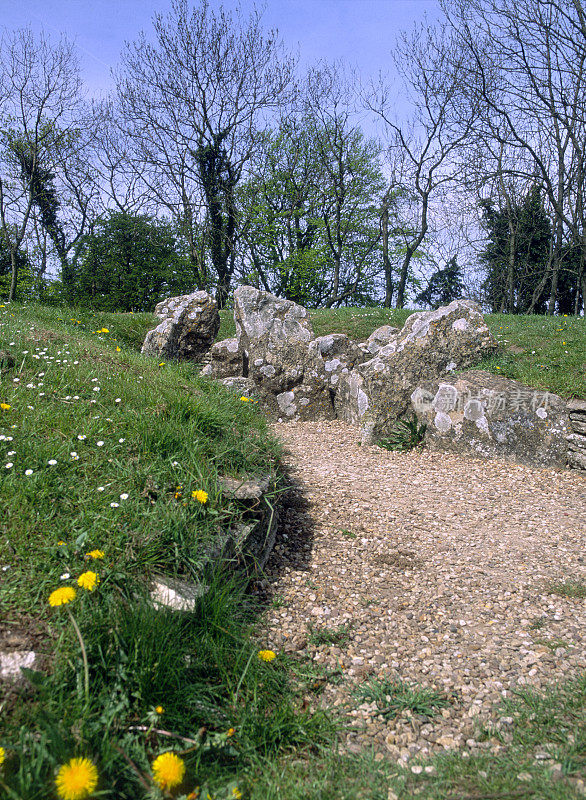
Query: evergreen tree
{"points": [[444, 286], [516, 254]]}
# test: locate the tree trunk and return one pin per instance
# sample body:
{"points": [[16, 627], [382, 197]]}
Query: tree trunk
{"points": [[384, 223], [14, 277]]}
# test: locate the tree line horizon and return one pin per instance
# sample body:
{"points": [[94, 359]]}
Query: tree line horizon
{"points": [[217, 161]]}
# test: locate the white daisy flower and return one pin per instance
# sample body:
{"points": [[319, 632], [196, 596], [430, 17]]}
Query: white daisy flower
{"points": [[52, 462], [28, 472], [9, 465], [124, 496], [121, 440], [100, 488], [115, 505], [100, 443]]}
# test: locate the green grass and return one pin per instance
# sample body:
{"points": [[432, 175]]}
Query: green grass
{"points": [[338, 636], [393, 697], [571, 587], [101, 449], [552, 723]]}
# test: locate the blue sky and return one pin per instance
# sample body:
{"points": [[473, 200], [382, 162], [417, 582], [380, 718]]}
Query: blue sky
{"points": [[361, 32]]}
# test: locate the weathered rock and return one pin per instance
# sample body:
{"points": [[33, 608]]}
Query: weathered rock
{"points": [[176, 594], [189, 326], [577, 437], [243, 386], [12, 663], [273, 334], [481, 414], [432, 343], [379, 338], [225, 360], [245, 488]]}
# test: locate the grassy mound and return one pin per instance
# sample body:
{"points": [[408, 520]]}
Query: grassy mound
{"points": [[109, 463]]}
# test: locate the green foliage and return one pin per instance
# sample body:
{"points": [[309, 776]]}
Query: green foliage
{"points": [[407, 435], [25, 281], [443, 286], [130, 263], [531, 227]]}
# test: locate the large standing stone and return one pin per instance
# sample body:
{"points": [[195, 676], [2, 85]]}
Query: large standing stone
{"points": [[189, 326], [432, 343], [489, 416], [273, 335]]}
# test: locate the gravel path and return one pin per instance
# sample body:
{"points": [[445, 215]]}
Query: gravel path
{"points": [[440, 566]]}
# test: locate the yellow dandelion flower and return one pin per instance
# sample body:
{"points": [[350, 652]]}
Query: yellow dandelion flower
{"points": [[200, 496], [61, 543], [230, 732], [2, 756], [266, 655], [162, 364], [236, 793], [62, 596], [246, 399], [168, 770], [4, 406], [118, 349], [88, 580], [77, 779], [160, 710]]}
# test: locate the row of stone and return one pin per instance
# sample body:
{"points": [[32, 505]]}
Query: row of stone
{"points": [[395, 374]]}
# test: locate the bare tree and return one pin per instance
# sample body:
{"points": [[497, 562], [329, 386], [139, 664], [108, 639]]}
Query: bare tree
{"points": [[193, 103], [40, 100], [422, 152], [528, 69]]}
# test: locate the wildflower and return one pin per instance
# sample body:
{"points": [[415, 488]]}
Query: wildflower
{"points": [[65, 576], [4, 406], [160, 710], [117, 349], [100, 443], [168, 770], [121, 440], [266, 655], [118, 400], [61, 543], [96, 389], [81, 437], [95, 554], [124, 496], [74, 455], [236, 793], [114, 505], [88, 580], [51, 462], [162, 364], [200, 496], [245, 399], [100, 488], [230, 732], [62, 596], [2, 755], [28, 472], [77, 779], [9, 465]]}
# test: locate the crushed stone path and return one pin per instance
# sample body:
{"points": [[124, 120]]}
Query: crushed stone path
{"points": [[430, 569]]}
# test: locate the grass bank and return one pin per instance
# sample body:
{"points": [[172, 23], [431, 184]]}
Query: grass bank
{"points": [[109, 465]]}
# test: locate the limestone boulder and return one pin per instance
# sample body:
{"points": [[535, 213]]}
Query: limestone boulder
{"points": [[225, 360], [273, 335], [379, 338], [489, 416], [189, 325], [431, 344]]}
